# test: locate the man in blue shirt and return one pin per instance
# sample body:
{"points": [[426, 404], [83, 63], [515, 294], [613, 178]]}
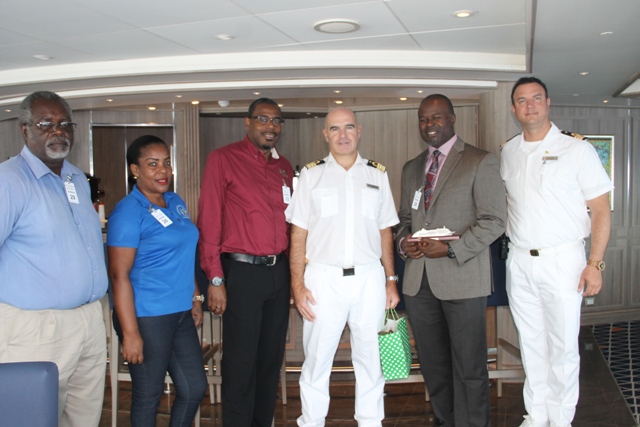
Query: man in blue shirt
{"points": [[52, 272]]}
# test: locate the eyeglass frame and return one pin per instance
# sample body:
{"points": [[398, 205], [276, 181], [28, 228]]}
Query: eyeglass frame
{"points": [[47, 126], [264, 120]]}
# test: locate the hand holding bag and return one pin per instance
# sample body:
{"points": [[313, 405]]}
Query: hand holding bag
{"points": [[395, 348]]}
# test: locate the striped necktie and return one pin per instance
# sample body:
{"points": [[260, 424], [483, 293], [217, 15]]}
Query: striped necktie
{"points": [[430, 180]]}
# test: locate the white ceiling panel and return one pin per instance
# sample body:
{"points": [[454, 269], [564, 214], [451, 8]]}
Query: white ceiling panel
{"points": [[258, 7], [9, 37], [21, 55], [375, 19], [56, 19], [390, 43], [430, 15], [117, 46], [151, 13], [249, 33], [508, 39]]}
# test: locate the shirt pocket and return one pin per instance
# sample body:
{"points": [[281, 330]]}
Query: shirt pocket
{"points": [[556, 179], [370, 203], [326, 201]]}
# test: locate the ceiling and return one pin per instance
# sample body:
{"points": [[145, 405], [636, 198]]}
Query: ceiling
{"points": [[144, 52]]}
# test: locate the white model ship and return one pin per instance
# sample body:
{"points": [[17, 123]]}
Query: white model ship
{"points": [[436, 232]]}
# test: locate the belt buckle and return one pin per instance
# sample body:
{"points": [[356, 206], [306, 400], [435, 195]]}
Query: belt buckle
{"points": [[271, 260], [349, 271], [535, 252]]}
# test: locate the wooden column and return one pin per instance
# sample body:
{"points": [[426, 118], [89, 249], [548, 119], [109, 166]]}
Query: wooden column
{"points": [[188, 155]]}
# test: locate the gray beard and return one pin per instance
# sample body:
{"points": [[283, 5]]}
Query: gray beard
{"points": [[59, 153]]}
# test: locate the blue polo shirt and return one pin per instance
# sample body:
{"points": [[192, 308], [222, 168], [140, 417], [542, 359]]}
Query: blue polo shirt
{"points": [[162, 275]]}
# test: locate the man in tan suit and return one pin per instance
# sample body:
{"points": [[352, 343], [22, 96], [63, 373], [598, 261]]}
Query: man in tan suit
{"points": [[446, 283]]}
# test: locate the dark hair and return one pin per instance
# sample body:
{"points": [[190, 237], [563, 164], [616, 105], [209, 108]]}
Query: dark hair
{"points": [[24, 115], [440, 97], [259, 101], [526, 80], [133, 152]]}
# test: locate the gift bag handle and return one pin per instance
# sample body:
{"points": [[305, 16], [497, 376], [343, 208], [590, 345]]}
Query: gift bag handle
{"points": [[391, 314]]}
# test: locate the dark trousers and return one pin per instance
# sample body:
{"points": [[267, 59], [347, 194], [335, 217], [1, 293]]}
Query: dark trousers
{"points": [[253, 335], [171, 345], [452, 348]]}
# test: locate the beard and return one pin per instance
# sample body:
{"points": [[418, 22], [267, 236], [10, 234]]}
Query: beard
{"points": [[57, 147]]}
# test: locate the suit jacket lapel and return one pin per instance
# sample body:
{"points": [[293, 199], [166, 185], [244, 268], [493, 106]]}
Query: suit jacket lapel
{"points": [[450, 163], [420, 178]]}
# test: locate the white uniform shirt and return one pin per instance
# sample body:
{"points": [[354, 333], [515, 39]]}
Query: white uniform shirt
{"points": [[547, 189], [343, 212]]}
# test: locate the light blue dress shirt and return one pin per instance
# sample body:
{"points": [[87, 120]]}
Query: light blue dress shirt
{"points": [[51, 250]]}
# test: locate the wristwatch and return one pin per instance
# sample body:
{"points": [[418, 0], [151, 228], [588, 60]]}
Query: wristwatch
{"points": [[394, 278], [198, 298], [450, 252], [599, 265], [216, 281]]}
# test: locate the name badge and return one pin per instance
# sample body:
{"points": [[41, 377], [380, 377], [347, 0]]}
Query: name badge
{"points": [[416, 199], [375, 187], [545, 158], [70, 189], [161, 217], [286, 194]]}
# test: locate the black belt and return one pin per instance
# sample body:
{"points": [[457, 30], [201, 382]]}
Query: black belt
{"points": [[268, 260]]}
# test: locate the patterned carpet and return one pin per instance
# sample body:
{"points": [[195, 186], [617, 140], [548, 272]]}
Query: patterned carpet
{"points": [[620, 346]]}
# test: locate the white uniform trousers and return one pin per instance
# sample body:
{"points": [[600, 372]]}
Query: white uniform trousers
{"points": [[358, 301], [545, 303]]}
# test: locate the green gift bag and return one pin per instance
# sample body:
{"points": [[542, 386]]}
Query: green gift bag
{"points": [[395, 348]]}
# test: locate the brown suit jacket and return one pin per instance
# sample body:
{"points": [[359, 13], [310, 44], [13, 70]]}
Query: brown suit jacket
{"points": [[469, 199]]}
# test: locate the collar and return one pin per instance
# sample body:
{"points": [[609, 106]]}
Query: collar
{"points": [[444, 148], [142, 199], [39, 169], [255, 152], [359, 160]]}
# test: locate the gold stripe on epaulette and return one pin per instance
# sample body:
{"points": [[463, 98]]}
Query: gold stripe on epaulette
{"points": [[573, 134], [314, 164], [505, 143], [379, 166]]}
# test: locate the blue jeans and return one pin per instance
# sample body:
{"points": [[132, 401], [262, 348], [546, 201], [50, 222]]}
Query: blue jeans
{"points": [[170, 345]]}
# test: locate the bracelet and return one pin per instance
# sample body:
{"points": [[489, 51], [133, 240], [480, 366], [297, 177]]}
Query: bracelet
{"points": [[394, 278]]}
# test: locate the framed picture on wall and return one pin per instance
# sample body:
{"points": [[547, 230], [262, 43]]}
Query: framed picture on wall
{"points": [[604, 147]]}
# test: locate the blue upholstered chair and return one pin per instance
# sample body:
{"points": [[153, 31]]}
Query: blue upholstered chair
{"points": [[28, 394]]}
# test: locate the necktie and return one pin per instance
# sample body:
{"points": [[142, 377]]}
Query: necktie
{"points": [[430, 179]]}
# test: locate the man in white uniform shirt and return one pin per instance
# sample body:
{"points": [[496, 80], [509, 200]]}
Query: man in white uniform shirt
{"points": [[341, 214], [551, 177]]}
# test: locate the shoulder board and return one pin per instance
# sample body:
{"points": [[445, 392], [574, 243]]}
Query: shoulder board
{"points": [[505, 143], [314, 164], [573, 135], [379, 166]]}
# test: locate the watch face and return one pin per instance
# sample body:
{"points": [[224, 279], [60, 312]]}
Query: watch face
{"points": [[601, 265], [217, 281]]}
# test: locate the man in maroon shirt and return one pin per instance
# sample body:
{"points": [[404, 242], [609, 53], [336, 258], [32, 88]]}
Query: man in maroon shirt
{"points": [[246, 188]]}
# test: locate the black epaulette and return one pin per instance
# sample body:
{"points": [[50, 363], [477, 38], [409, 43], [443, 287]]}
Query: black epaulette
{"points": [[573, 135], [314, 164], [382, 168], [505, 143]]}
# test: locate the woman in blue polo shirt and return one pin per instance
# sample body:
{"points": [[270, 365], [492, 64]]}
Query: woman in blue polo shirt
{"points": [[151, 246]]}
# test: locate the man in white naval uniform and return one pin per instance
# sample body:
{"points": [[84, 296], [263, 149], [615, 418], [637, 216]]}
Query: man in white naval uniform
{"points": [[551, 178], [341, 214]]}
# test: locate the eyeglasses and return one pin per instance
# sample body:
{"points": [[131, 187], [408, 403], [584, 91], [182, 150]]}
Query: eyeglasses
{"points": [[277, 121], [67, 127]]}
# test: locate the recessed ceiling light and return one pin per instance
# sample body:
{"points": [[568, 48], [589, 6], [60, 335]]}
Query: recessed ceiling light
{"points": [[336, 91], [419, 91], [463, 13], [584, 73], [256, 93], [109, 100], [195, 102], [607, 33], [43, 57], [7, 110], [152, 108], [336, 26], [605, 101], [178, 96], [404, 98], [280, 105], [575, 94], [338, 101], [224, 37], [308, 114]]}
